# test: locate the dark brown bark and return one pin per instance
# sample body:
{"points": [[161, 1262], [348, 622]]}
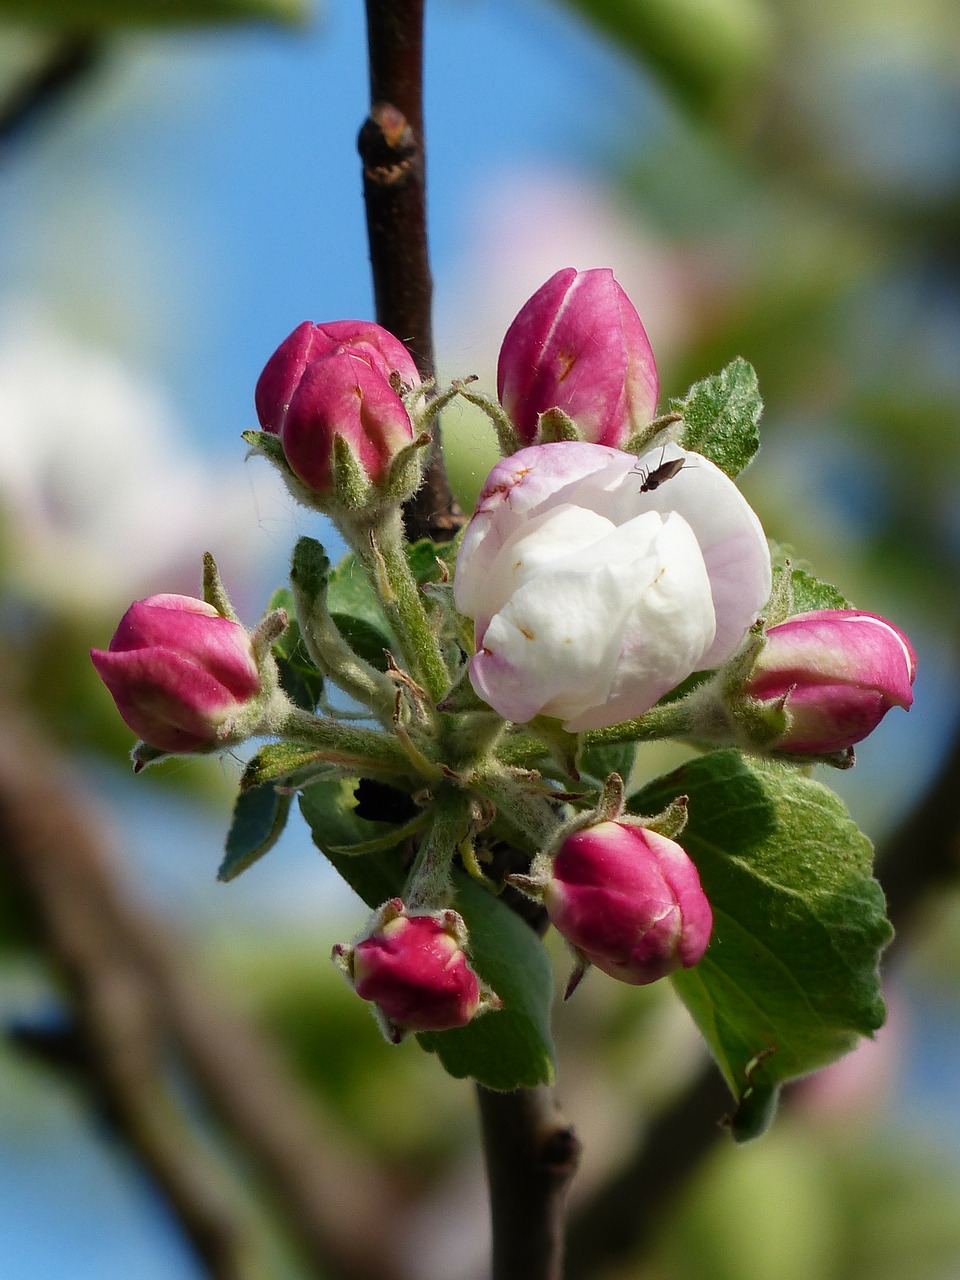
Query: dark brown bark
{"points": [[392, 148], [532, 1154]]}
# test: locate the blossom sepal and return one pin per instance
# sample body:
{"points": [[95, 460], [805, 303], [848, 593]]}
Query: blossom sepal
{"points": [[413, 967]]}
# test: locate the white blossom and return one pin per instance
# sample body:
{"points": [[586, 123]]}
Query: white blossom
{"points": [[591, 597]]}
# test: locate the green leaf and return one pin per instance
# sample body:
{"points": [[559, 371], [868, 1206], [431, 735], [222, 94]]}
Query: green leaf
{"points": [[790, 978], [328, 808], [259, 817], [86, 15], [431, 561], [350, 596], [512, 1047], [705, 51], [299, 678], [720, 417], [600, 761], [282, 762], [805, 593], [507, 1049], [367, 641], [356, 610]]}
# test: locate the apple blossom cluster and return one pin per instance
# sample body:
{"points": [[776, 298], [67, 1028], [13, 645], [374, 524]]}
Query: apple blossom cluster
{"points": [[612, 588]]}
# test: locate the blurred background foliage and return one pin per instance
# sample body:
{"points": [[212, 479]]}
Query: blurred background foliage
{"points": [[769, 178]]}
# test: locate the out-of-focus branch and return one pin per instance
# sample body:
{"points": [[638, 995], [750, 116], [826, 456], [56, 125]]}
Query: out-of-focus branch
{"points": [[136, 996], [392, 148], [620, 1219], [532, 1154], [923, 852], [71, 61]]}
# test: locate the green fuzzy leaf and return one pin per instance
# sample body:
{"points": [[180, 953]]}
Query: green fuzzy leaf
{"points": [[86, 15], [804, 594], [281, 762], [720, 416], [350, 595], [328, 808], [355, 607], [506, 1049], [259, 817], [367, 641], [299, 678], [790, 979], [600, 761], [431, 561]]}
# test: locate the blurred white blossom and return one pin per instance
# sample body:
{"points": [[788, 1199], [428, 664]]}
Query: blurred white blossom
{"points": [[103, 497]]}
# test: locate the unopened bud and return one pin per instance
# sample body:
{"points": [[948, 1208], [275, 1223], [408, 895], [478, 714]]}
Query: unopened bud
{"points": [[628, 901], [837, 672], [415, 970], [179, 672], [579, 346]]}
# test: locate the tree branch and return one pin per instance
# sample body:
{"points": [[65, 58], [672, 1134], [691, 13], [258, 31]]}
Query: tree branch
{"points": [[135, 995], [70, 61], [532, 1154], [392, 148]]}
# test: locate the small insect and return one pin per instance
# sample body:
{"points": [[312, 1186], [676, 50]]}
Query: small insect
{"points": [[661, 473]]}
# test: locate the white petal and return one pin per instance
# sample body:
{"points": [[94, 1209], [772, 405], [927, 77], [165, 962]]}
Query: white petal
{"points": [[731, 538], [557, 646], [666, 635]]}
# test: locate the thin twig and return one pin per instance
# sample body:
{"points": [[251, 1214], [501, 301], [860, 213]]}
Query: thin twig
{"points": [[70, 61], [392, 148], [532, 1154]]}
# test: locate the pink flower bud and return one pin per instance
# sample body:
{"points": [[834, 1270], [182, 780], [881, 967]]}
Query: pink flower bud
{"points": [[341, 395], [331, 380], [578, 345], [629, 901], [840, 672], [178, 672], [415, 970], [309, 342]]}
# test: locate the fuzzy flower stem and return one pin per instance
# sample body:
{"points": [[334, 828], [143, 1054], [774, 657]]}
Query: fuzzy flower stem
{"points": [[386, 563], [344, 743], [523, 808], [331, 653], [430, 884], [671, 720]]}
